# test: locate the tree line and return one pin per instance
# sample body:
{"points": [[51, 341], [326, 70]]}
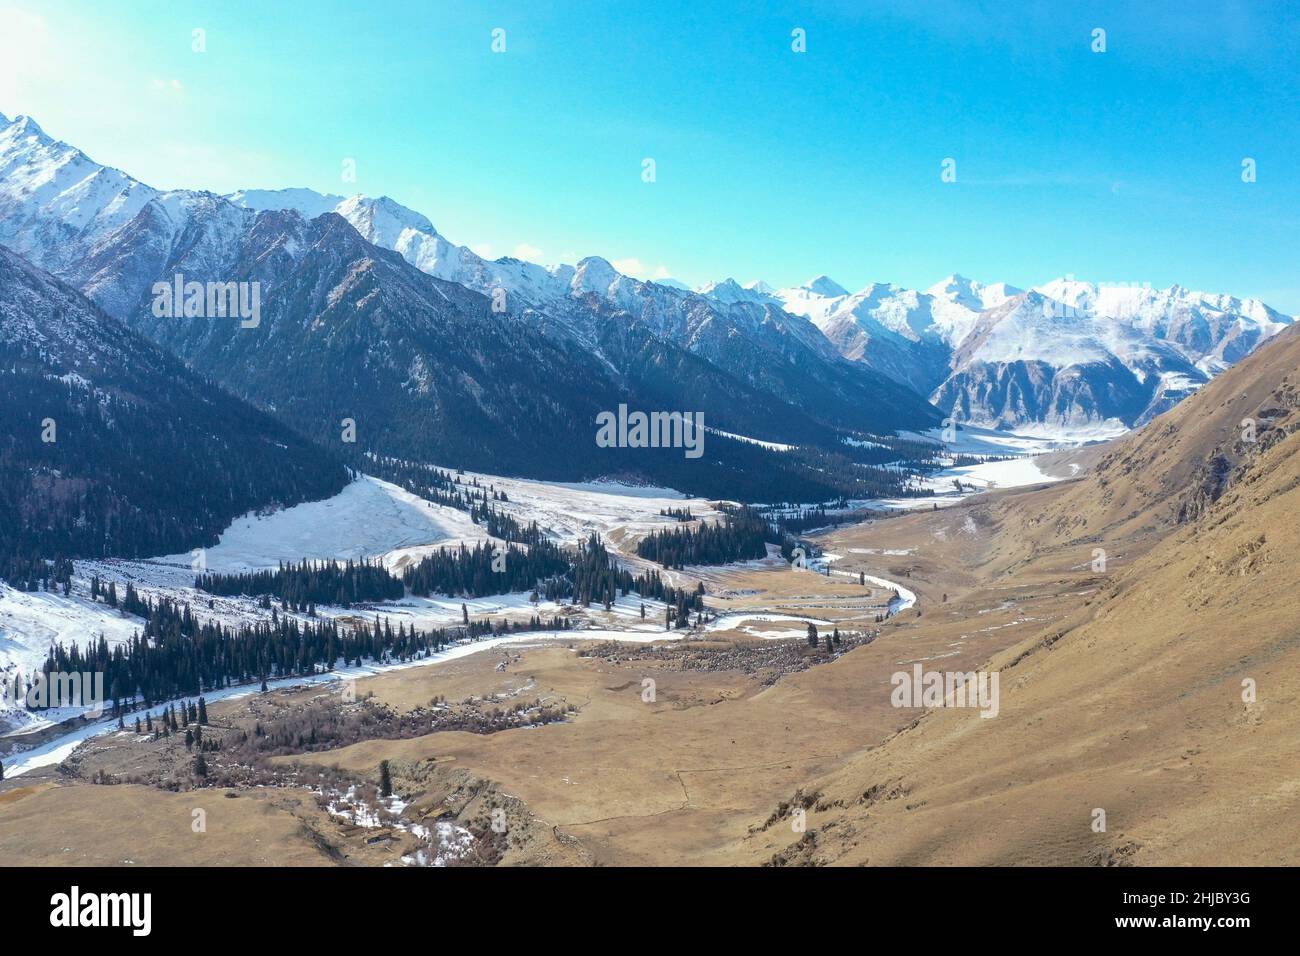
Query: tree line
{"points": [[742, 535], [588, 574], [484, 569], [301, 586], [177, 655]]}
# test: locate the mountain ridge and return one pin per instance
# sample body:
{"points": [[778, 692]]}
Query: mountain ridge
{"points": [[1105, 355], [1077, 340], [1156, 694], [113, 447], [781, 357]]}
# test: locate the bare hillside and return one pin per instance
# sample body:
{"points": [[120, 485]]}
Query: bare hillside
{"points": [[1138, 704]]}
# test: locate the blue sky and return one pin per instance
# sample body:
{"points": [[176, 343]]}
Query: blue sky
{"points": [[1122, 166]]}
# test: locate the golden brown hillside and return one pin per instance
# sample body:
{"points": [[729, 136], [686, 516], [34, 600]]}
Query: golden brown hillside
{"points": [[1169, 471], [1139, 704]]}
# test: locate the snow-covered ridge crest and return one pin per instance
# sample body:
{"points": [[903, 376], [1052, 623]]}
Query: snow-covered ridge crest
{"points": [[72, 216], [970, 345], [390, 225], [54, 200]]}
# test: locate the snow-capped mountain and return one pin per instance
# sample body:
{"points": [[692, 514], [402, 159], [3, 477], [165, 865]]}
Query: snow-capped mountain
{"points": [[114, 250], [306, 201], [905, 334], [1027, 362], [1067, 356], [390, 225], [956, 303], [742, 330], [514, 390], [113, 237], [729, 292], [1100, 355], [1210, 329], [55, 201], [945, 312]]}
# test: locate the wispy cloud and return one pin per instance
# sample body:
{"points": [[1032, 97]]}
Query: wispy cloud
{"points": [[528, 252], [632, 266]]}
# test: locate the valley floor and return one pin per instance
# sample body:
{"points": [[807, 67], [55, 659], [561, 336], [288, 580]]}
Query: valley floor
{"points": [[742, 712], [737, 743]]}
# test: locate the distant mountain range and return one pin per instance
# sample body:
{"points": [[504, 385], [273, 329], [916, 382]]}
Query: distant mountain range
{"points": [[611, 314], [795, 365], [1066, 356], [504, 370]]}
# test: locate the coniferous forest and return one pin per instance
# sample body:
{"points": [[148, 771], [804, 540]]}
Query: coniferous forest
{"points": [[176, 655], [740, 536], [484, 570], [586, 575], [310, 582]]}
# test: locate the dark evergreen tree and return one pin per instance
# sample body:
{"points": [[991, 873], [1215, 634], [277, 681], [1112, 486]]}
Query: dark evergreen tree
{"points": [[304, 585], [740, 536]]}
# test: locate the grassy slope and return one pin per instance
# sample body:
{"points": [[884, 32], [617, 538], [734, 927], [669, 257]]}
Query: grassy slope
{"points": [[1134, 702]]}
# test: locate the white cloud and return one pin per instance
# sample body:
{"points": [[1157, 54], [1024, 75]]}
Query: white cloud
{"points": [[525, 251], [482, 249], [632, 266]]}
